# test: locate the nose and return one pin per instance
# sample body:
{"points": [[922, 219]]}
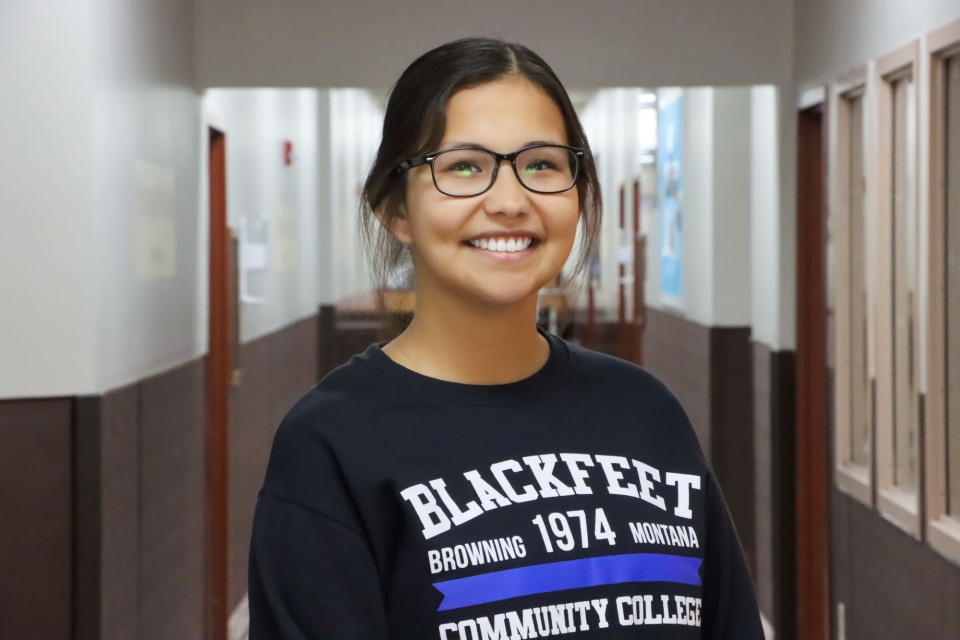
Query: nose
{"points": [[507, 196]]}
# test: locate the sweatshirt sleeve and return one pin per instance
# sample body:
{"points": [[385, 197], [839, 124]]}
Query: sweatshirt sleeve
{"points": [[730, 601], [311, 577]]}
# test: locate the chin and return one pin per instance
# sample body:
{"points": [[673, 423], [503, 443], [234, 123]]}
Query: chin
{"points": [[508, 296], [505, 301]]}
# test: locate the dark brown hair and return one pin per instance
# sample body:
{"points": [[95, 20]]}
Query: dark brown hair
{"points": [[415, 121]]}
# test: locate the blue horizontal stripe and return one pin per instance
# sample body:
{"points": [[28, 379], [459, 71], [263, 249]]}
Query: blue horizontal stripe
{"points": [[568, 574]]}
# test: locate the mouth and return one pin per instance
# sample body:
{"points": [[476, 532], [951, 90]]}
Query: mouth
{"points": [[504, 244]]}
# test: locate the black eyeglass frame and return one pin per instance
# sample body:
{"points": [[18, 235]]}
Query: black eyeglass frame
{"points": [[428, 158]]}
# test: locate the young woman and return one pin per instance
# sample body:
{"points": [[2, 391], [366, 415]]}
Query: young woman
{"points": [[476, 478]]}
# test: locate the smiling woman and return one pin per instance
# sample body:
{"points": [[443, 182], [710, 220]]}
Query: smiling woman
{"points": [[369, 521], [442, 229]]}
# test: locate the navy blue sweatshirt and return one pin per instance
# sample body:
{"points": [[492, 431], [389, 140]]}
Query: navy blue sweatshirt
{"points": [[576, 502]]}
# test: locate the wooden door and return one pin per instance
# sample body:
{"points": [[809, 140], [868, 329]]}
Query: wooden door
{"points": [[812, 410], [639, 277], [219, 370]]}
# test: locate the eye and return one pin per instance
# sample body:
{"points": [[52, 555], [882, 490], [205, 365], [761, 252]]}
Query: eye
{"points": [[462, 163], [463, 168], [540, 164]]}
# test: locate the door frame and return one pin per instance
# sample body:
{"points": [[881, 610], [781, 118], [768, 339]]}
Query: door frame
{"points": [[219, 369], [813, 436]]}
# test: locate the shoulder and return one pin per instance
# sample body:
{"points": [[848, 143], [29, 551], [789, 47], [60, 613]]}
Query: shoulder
{"points": [[614, 388], [599, 370], [308, 446], [336, 401]]}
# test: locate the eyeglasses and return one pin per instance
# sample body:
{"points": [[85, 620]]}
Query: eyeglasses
{"points": [[462, 172]]}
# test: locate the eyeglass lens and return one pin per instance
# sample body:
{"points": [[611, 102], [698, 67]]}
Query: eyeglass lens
{"points": [[466, 172]]}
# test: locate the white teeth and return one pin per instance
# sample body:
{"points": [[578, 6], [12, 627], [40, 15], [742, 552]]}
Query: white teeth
{"points": [[502, 245]]}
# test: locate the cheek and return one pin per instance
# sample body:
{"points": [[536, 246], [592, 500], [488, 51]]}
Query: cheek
{"points": [[431, 228], [567, 217]]}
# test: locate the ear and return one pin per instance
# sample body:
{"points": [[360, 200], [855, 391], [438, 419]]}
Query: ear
{"points": [[398, 225]]}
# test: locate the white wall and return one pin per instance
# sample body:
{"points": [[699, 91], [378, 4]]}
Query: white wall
{"points": [[93, 91], [326, 258], [766, 224], [698, 205], [335, 133], [146, 116], [716, 206], [834, 36], [275, 206], [591, 44], [47, 314], [717, 192], [830, 38], [118, 92], [786, 266], [730, 267], [611, 119], [356, 121], [644, 43]]}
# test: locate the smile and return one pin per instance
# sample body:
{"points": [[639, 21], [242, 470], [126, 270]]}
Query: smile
{"points": [[502, 245]]}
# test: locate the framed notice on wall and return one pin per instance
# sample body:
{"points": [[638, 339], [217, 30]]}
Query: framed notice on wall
{"points": [[156, 222], [670, 178]]}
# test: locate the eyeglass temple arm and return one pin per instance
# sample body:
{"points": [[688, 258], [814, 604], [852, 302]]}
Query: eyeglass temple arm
{"points": [[411, 163]]}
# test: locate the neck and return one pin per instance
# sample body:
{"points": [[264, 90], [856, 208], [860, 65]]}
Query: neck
{"points": [[472, 344]]}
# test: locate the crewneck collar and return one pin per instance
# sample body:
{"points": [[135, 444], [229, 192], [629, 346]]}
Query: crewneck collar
{"points": [[405, 380]]}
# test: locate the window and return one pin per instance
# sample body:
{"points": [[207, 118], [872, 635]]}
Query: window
{"points": [[850, 297], [951, 214], [943, 434], [905, 282], [899, 400]]}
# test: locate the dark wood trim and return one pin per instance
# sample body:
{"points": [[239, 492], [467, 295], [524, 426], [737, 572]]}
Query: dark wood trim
{"points": [[36, 519], [710, 370], [326, 339], [783, 492], [278, 368], [812, 444], [623, 350], [639, 277], [731, 427], [892, 585], [219, 371], [87, 517], [590, 339]]}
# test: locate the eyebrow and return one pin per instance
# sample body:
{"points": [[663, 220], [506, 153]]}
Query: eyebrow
{"points": [[457, 144]]}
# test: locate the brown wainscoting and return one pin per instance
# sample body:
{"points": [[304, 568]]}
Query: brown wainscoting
{"points": [[731, 425], [678, 352], [892, 586], [107, 463], [710, 371], [36, 528], [774, 456], [344, 333], [119, 463], [604, 334], [140, 498], [275, 371], [140, 503], [172, 444], [252, 425]]}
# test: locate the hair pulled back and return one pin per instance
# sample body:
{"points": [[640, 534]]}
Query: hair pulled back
{"points": [[415, 121]]}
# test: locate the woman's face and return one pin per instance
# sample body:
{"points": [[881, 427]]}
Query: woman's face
{"points": [[443, 231]]}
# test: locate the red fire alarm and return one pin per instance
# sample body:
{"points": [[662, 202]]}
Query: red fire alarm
{"points": [[287, 153]]}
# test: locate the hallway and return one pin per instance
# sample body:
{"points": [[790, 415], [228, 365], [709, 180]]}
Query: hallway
{"points": [[180, 189]]}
